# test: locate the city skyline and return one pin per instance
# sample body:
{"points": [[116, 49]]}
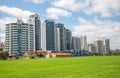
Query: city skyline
{"points": [[96, 21], [49, 36]]}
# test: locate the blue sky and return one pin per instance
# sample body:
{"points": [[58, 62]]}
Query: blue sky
{"points": [[95, 18]]}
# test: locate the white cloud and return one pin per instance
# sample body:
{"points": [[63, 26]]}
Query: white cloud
{"points": [[2, 36], [36, 1], [4, 21], [83, 21], [99, 29], [55, 13], [17, 12], [73, 5], [106, 8]]}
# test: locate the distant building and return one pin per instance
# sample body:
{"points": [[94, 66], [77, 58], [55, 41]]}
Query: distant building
{"points": [[68, 40], [61, 37], [102, 46], [50, 35], [19, 37], [34, 54], [83, 42], [76, 47], [58, 39], [43, 36], [60, 54], [35, 21], [99, 46], [84, 47], [1, 46], [106, 45], [91, 48]]}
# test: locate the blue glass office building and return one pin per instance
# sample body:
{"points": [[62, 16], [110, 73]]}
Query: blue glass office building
{"points": [[50, 35]]}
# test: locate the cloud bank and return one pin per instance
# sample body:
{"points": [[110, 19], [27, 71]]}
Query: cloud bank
{"points": [[56, 13], [105, 8], [96, 29]]}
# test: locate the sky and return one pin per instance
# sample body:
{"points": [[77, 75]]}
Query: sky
{"points": [[96, 19]]}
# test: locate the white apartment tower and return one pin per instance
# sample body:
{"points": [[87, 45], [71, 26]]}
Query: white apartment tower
{"points": [[19, 37], [83, 42], [99, 46], [43, 36], [76, 47], [106, 45], [102, 45]]}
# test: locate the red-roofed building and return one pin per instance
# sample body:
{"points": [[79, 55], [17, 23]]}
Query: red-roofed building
{"points": [[33, 54]]}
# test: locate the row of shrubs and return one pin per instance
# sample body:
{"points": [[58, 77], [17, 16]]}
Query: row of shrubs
{"points": [[4, 55], [107, 54]]}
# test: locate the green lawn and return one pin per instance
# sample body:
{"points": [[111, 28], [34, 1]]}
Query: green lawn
{"points": [[70, 67]]}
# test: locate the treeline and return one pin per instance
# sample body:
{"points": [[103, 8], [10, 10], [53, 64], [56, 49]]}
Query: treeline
{"points": [[4, 55], [107, 54]]}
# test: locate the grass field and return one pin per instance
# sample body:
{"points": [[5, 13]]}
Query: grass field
{"points": [[70, 67]]}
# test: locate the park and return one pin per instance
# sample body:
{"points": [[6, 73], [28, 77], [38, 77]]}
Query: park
{"points": [[62, 67]]}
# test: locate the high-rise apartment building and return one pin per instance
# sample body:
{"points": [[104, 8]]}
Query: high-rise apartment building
{"points": [[43, 36], [19, 37], [102, 46], [50, 35], [106, 45], [58, 48], [61, 37], [91, 48], [68, 40], [83, 43], [35, 21], [76, 47], [99, 46]]}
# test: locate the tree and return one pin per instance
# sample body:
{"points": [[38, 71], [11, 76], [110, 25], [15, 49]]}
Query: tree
{"points": [[40, 55], [3, 55], [98, 53], [15, 56]]}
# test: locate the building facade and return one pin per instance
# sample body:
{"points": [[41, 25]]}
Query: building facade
{"points": [[50, 35], [99, 46], [68, 40], [91, 48], [83, 43], [102, 46], [61, 37], [76, 47], [106, 45], [35, 21], [19, 37], [43, 36]]}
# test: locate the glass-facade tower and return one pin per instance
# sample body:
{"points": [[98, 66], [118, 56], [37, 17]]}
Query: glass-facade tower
{"points": [[50, 35]]}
